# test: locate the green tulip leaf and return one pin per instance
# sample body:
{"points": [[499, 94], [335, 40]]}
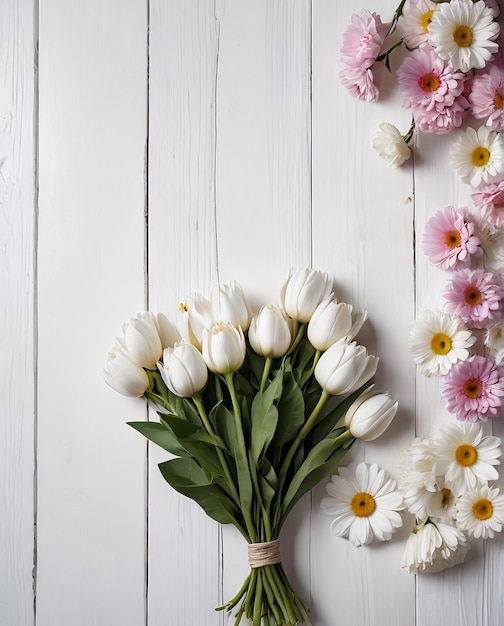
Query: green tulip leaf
{"points": [[264, 417], [161, 436]]}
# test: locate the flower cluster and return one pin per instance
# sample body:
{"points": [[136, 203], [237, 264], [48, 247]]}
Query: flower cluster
{"points": [[452, 68], [446, 486], [256, 409]]}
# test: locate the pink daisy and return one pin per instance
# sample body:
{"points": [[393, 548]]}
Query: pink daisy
{"points": [[473, 389], [487, 97], [476, 296], [360, 83], [489, 200], [363, 39], [449, 239]]}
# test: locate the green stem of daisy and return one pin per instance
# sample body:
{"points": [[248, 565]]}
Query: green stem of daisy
{"points": [[408, 136], [396, 16]]}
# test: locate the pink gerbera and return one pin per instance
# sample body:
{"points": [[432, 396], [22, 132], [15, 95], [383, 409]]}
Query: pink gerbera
{"points": [[476, 296], [449, 239], [473, 389], [487, 97], [363, 39], [489, 200]]}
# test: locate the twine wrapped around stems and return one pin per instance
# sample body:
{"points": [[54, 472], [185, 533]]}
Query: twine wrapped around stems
{"points": [[262, 554]]}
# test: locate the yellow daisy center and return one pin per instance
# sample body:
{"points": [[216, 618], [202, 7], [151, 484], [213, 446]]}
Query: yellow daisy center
{"points": [[428, 82], [472, 296], [445, 497], [480, 156], [482, 509], [463, 36], [362, 504], [472, 388], [466, 455], [440, 344], [498, 100], [425, 20], [452, 239]]}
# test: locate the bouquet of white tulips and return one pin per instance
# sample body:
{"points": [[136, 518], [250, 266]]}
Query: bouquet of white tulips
{"points": [[256, 411]]}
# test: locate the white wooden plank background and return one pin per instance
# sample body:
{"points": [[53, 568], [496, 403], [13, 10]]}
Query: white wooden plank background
{"points": [[162, 147]]}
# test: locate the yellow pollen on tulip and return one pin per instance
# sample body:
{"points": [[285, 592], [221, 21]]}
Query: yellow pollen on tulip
{"points": [[452, 239], [425, 20], [472, 296], [498, 100], [362, 504], [183, 307], [466, 455], [440, 344], [463, 36], [482, 509], [472, 388], [480, 156], [428, 82], [445, 497]]}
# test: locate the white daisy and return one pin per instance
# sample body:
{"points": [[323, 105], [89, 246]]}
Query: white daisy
{"points": [[432, 547], [480, 512], [465, 457], [415, 21], [364, 504], [478, 155], [437, 341], [462, 33]]}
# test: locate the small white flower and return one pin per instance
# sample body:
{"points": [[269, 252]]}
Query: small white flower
{"points": [[480, 512], [364, 504], [478, 155], [390, 145], [462, 32], [437, 341], [465, 457]]}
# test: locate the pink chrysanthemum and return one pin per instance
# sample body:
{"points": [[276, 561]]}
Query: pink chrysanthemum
{"points": [[363, 39], [443, 121], [360, 83], [489, 200], [476, 296], [449, 239], [474, 389], [487, 97]]}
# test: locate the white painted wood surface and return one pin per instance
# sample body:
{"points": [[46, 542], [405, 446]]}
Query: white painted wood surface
{"points": [[162, 147]]}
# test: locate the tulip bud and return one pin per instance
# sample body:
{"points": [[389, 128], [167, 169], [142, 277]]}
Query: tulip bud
{"points": [[332, 321], [123, 375], [269, 333], [230, 305], [195, 315], [168, 333], [223, 348], [344, 368], [183, 370], [303, 292], [371, 414], [141, 340]]}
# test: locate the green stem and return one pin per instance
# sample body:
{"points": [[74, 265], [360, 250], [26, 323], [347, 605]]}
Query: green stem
{"points": [[407, 137], [206, 422], [396, 16], [297, 340], [245, 506], [266, 371]]}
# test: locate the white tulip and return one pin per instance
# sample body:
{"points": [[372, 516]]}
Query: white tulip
{"points": [[303, 292], [344, 368], [195, 315], [370, 415], [141, 340], [183, 370], [332, 321], [223, 348], [168, 332], [269, 333], [123, 375], [230, 305]]}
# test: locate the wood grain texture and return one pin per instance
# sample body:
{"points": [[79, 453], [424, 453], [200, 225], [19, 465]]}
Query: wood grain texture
{"points": [[18, 30], [91, 466]]}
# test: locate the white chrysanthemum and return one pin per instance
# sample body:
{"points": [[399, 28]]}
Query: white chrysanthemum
{"points": [[478, 156], [437, 341], [415, 21], [390, 145], [364, 504], [465, 457], [463, 33], [480, 512], [432, 547]]}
